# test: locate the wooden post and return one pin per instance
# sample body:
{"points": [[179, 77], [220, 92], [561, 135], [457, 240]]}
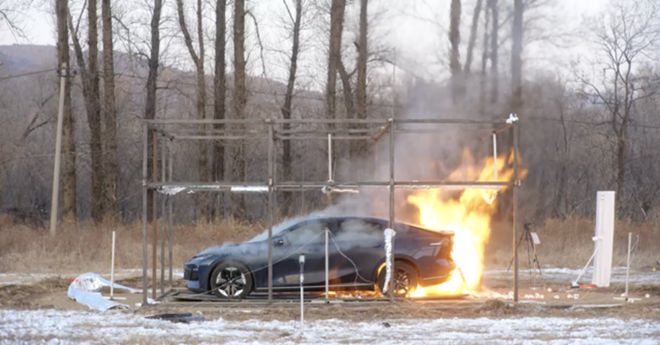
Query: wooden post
{"points": [[58, 153]]}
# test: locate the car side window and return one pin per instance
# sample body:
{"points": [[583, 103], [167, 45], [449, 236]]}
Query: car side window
{"points": [[359, 230], [307, 233]]}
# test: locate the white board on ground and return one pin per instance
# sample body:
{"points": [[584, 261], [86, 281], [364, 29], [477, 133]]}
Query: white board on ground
{"points": [[604, 238]]}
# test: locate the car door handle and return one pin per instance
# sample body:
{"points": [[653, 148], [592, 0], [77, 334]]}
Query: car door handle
{"points": [[437, 244]]}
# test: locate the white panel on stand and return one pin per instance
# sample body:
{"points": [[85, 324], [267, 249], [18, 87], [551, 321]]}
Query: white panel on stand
{"points": [[604, 238]]}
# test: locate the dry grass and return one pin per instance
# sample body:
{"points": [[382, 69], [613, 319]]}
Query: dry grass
{"points": [[86, 247], [568, 243]]}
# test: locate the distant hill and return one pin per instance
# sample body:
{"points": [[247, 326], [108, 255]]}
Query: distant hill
{"points": [[24, 58]]}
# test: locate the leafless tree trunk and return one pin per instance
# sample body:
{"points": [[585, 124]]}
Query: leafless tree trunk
{"points": [[358, 148], [363, 51], [150, 97], [219, 88], [494, 41], [111, 166], [516, 56], [454, 54], [484, 61], [347, 90], [334, 55], [69, 147], [90, 88], [94, 114], [288, 100], [198, 60], [473, 36], [240, 99]]}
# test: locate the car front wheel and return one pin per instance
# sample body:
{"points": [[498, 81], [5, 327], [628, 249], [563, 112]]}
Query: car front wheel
{"points": [[231, 280]]}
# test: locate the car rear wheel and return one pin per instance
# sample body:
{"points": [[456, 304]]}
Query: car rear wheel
{"points": [[231, 280], [404, 279]]}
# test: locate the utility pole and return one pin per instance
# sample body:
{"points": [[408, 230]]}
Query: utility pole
{"points": [[58, 149]]}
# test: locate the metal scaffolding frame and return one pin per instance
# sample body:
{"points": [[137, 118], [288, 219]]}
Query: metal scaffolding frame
{"points": [[166, 132]]}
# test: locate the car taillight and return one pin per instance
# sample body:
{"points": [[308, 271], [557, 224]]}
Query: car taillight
{"points": [[445, 249]]}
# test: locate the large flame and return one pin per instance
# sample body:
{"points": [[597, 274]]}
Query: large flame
{"points": [[468, 215]]}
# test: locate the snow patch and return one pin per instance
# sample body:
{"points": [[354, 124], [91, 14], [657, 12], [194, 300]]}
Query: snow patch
{"points": [[55, 326]]}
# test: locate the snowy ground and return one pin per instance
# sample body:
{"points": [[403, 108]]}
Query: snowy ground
{"points": [[53, 326], [567, 275]]}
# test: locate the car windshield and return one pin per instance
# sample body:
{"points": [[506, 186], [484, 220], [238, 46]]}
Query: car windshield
{"points": [[277, 229]]}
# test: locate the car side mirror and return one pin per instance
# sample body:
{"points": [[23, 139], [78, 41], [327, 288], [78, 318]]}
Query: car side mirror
{"points": [[278, 242]]}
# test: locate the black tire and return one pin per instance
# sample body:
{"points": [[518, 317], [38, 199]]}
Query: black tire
{"points": [[231, 280], [405, 279]]}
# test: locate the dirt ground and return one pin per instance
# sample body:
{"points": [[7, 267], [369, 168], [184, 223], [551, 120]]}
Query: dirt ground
{"points": [[548, 299]]}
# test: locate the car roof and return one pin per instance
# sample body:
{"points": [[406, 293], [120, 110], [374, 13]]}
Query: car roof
{"points": [[374, 219]]}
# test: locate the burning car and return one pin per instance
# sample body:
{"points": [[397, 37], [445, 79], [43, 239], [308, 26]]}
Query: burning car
{"points": [[356, 257]]}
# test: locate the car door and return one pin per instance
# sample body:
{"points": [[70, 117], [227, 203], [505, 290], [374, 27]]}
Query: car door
{"points": [[358, 247], [304, 238]]}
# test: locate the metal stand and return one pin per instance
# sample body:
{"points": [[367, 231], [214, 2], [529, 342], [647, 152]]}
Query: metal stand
{"points": [[532, 258], [171, 131]]}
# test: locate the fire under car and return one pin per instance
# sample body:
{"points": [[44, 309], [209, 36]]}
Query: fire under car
{"points": [[356, 258]]}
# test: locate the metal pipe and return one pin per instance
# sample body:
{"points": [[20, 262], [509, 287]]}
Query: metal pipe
{"points": [[327, 259], [154, 216], [516, 182], [628, 263], [112, 267], [200, 121], [326, 131], [270, 209], [329, 157], [301, 261], [320, 121], [391, 204], [222, 186], [495, 156], [161, 235], [55, 195], [321, 137], [216, 137], [170, 200], [145, 153]]}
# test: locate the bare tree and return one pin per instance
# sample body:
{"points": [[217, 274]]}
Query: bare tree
{"points": [[516, 56], [454, 53], [358, 148], [239, 98], [473, 36], [628, 35], [152, 78], [198, 60], [91, 93], [288, 97], [219, 88], [363, 54], [334, 54], [69, 146], [494, 44], [111, 165], [11, 12], [484, 60], [347, 89]]}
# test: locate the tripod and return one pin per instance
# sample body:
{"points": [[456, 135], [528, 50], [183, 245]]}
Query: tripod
{"points": [[532, 258]]}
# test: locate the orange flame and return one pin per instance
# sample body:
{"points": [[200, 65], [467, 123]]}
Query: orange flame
{"points": [[468, 216]]}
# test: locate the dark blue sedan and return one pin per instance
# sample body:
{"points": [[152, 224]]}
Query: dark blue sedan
{"points": [[356, 258]]}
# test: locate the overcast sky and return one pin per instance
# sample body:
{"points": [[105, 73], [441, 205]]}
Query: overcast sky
{"points": [[403, 22]]}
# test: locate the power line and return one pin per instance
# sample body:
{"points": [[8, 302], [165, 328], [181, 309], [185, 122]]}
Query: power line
{"points": [[26, 74]]}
